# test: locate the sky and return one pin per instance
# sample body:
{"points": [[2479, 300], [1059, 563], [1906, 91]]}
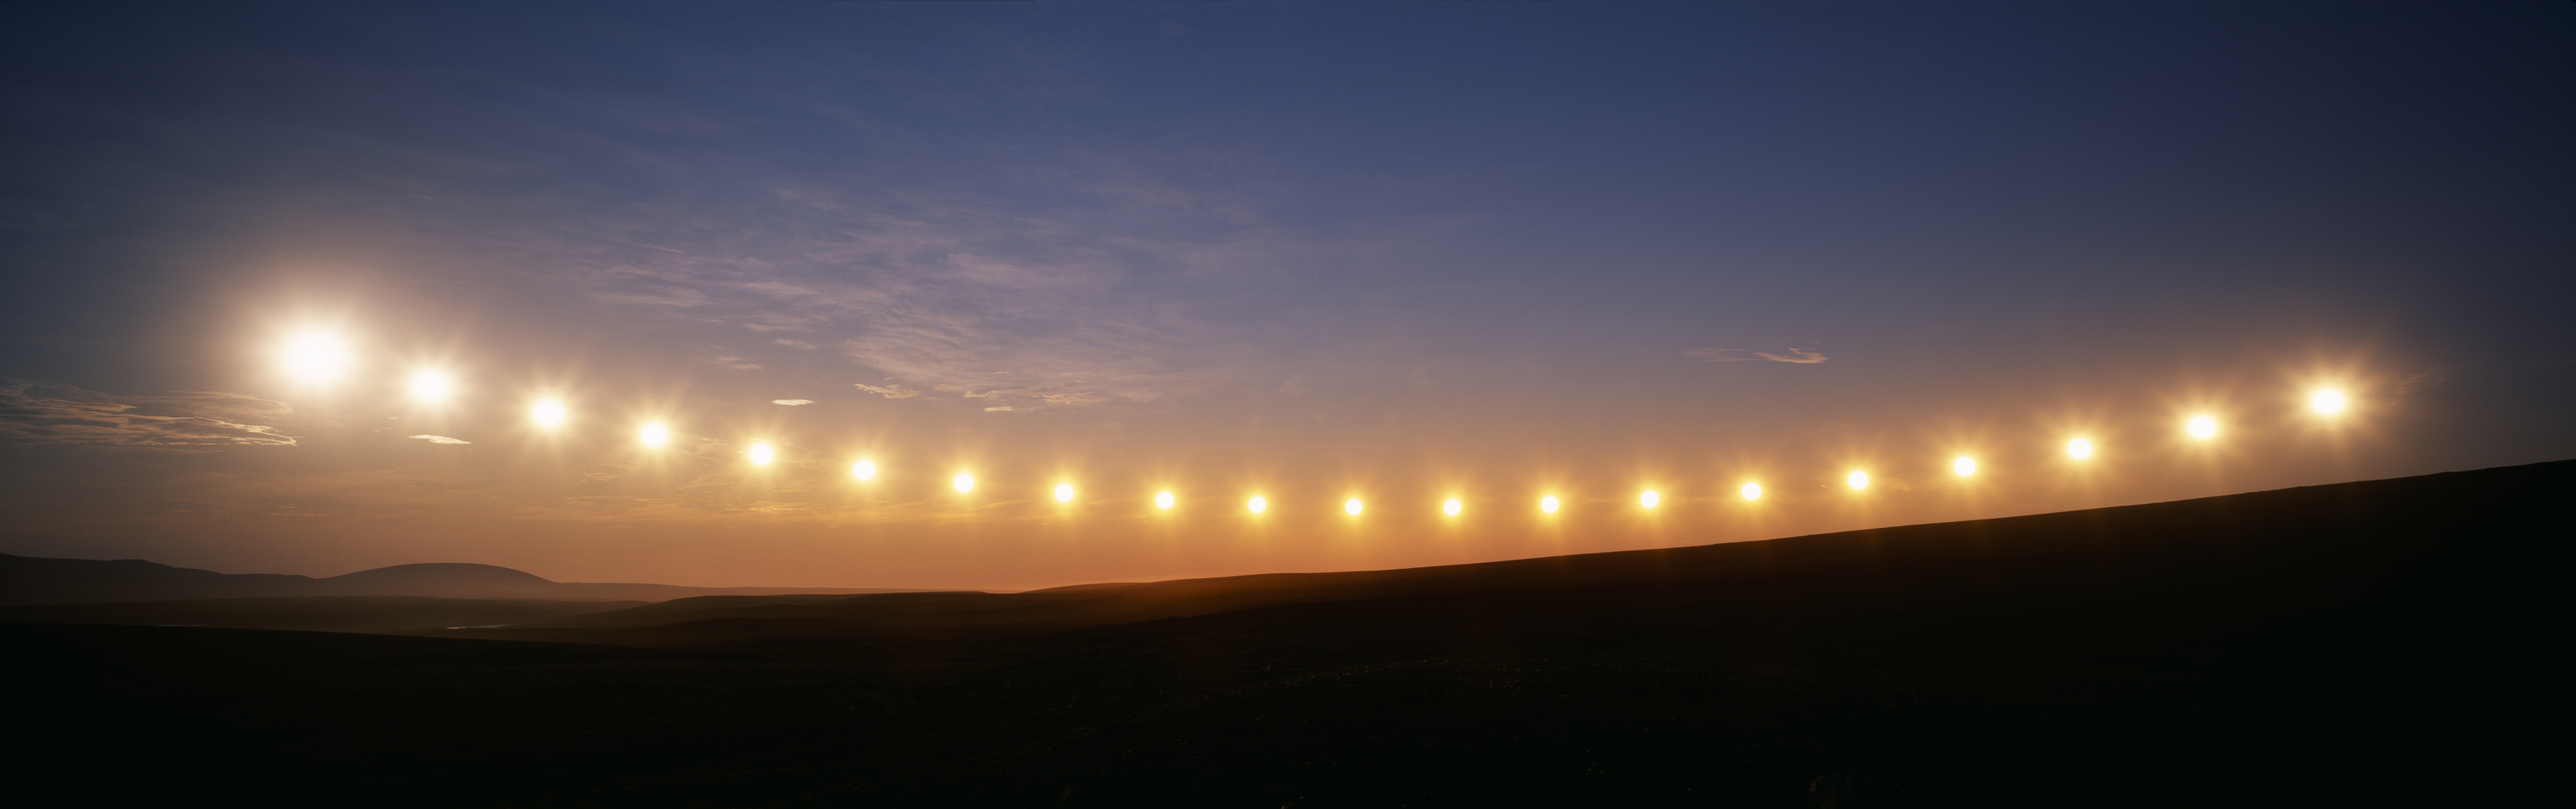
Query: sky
{"points": [[1311, 252]]}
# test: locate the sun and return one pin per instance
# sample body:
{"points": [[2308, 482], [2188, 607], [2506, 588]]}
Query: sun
{"points": [[2328, 401], [316, 356]]}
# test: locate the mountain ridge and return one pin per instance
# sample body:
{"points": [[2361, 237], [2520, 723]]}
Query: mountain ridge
{"points": [[33, 580]]}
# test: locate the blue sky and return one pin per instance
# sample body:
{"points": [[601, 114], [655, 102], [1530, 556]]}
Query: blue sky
{"points": [[1391, 250]]}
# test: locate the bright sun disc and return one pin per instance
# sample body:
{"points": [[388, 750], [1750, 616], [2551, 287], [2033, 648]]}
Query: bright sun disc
{"points": [[1751, 491], [964, 482], [548, 413], [2079, 449], [1547, 504], [1163, 500], [1451, 507], [2201, 427], [2327, 401], [1858, 480], [1351, 506], [1649, 499], [1064, 492], [315, 356], [654, 435], [431, 386], [1257, 505], [761, 454], [1964, 466], [864, 470]]}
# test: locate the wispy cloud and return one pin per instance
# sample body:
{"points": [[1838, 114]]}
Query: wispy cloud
{"points": [[888, 391], [791, 402], [1065, 307], [33, 412], [1800, 356], [440, 439]]}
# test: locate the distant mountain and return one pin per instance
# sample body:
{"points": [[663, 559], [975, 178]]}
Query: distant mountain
{"points": [[35, 580]]}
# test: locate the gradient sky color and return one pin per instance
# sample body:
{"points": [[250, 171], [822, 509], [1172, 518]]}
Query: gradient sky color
{"points": [[1309, 252]]}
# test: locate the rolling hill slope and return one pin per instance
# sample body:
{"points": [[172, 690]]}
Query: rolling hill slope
{"points": [[2385, 643]]}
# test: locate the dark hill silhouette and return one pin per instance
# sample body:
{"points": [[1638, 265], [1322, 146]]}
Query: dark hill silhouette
{"points": [[481, 581], [2318, 531], [396, 614], [35, 580], [2385, 643]]}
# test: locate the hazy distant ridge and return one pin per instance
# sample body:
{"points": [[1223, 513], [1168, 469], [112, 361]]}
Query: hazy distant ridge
{"points": [[36, 580]]}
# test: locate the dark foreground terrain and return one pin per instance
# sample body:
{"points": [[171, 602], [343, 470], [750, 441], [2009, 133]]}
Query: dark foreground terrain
{"points": [[2379, 643]]}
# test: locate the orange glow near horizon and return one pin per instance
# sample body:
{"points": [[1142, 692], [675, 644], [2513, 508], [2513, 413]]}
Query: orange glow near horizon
{"points": [[627, 461]]}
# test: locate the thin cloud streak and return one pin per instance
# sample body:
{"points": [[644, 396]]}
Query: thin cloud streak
{"points": [[1800, 356], [34, 412]]}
